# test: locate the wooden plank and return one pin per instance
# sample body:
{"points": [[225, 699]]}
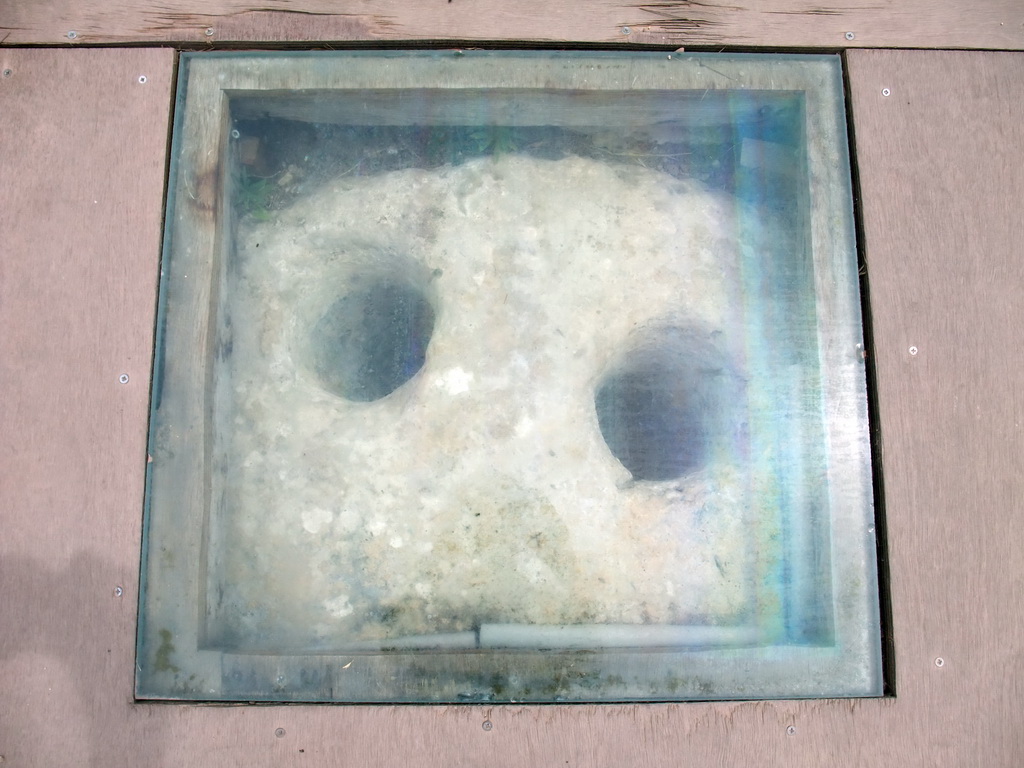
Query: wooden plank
{"points": [[992, 24], [82, 162], [939, 138], [941, 181]]}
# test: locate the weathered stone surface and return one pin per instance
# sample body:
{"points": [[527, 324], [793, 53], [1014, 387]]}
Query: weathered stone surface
{"points": [[481, 489]]}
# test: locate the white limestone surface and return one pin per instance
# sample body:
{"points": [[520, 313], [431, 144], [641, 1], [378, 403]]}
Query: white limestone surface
{"points": [[481, 491]]}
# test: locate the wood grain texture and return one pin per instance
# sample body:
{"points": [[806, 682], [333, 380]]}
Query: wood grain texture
{"points": [[942, 182], [991, 24]]}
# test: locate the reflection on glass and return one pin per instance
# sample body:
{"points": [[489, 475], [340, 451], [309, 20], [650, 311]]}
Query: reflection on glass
{"points": [[502, 371]]}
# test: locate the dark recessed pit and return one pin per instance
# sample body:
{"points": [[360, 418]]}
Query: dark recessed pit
{"points": [[373, 338], [667, 402]]}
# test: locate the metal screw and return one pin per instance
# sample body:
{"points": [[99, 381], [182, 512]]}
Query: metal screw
{"points": [[791, 729], [939, 661], [626, 30], [118, 591], [279, 732], [72, 35], [886, 92], [235, 134], [850, 35], [123, 378], [209, 32], [912, 350], [142, 79], [8, 72], [487, 725]]}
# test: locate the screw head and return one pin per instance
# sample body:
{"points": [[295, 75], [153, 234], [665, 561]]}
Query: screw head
{"points": [[123, 378], [118, 591], [886, 92], [487, 725], [791, 729], [8, 72], [850, 35], [72, 35], [912, 350], [142, 79], [279, 733], [208, 32], [939, 662], [626, 30]]}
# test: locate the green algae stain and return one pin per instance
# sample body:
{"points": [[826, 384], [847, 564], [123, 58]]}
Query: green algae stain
{"points": [[162, 663]]}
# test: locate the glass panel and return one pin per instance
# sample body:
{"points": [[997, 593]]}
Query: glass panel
{"points": [[509, 377]]}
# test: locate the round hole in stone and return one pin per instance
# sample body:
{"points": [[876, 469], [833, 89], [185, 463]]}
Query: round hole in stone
{"points": [[373, 338], [665, 406]]}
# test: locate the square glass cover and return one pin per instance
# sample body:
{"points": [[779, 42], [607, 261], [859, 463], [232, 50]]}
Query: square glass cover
{"points": [[509, 376]]}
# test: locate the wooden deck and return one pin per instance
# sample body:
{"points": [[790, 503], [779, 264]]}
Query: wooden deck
{"points": [[82, 159], [986, 24]]}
